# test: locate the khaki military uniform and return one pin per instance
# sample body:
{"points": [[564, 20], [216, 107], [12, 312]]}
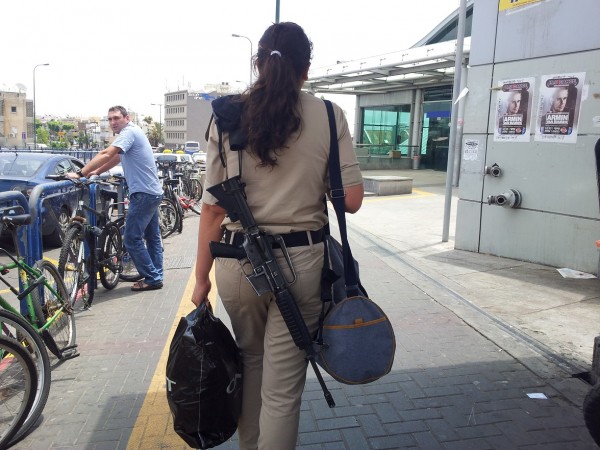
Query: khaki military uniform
{"points": [[284, 199]]}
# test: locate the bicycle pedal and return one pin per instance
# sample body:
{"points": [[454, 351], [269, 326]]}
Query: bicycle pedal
{"points": [[67, 354]]}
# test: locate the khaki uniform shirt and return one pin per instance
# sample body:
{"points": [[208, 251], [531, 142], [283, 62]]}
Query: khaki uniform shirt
{"points": [[288, 197]]}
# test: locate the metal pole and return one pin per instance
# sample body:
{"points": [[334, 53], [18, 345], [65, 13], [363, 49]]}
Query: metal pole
{"points": [[454, 117], [459, 127], [160, 105], [276, 11], [415, 149], [34, 130], [251, 53]]}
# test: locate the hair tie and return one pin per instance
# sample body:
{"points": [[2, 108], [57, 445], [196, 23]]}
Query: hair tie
{"points": [[275, 52]]}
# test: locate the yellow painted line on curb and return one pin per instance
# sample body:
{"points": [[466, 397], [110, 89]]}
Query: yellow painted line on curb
{"points": [[154, 425], [416, 193], [53, 261]]}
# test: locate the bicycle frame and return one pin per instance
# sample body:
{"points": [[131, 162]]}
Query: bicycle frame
{"points": [[91, 228], [24, 296]]}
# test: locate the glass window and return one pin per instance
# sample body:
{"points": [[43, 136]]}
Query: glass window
{"points": [[436, 134], [386, 128], [63, 166]]}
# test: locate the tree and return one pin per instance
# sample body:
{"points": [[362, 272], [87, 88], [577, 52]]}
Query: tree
{"points": [[154, 134], [43, 135], [148, 120]]}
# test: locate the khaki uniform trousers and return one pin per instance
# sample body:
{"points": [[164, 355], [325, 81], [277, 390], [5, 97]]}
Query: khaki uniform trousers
{"points": [[274, 368]]}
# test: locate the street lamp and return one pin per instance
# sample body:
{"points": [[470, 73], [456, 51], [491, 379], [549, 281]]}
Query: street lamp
{"points": [[159, 120], [251, 53], [34, 130]]}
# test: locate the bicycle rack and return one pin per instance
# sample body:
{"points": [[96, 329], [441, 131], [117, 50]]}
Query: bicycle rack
{"points": [[36, 207], [8, 202]]}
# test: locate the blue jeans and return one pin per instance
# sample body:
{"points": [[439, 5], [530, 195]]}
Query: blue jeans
{"points": [[142, 223]]}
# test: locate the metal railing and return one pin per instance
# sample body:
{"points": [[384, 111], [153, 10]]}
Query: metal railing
{"points": [[383, 150], [84, 155]]}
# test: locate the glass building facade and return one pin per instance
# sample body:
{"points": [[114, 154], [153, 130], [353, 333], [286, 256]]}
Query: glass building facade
{"points": [[388, 128]]}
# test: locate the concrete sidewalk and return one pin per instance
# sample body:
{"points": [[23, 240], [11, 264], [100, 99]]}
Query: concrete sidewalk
{"points": [[486, 349], [557, 315]]}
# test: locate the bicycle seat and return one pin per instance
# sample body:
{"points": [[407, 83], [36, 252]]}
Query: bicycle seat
{"points": [[19, 219], [172, 182]]}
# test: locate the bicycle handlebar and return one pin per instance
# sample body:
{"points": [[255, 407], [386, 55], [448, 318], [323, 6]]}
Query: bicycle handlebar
{"points": [[94, 179]]}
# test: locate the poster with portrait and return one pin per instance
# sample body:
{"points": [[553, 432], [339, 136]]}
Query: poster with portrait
{"points": [[558, 109], [513, 110]]}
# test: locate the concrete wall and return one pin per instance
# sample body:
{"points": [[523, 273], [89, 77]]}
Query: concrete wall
{"points": [[559, 219]]}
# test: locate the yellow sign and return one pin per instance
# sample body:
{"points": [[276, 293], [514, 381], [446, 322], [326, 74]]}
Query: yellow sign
{"points": [[509, 4]]}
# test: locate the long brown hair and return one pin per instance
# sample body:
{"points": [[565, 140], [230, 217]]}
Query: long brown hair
{"points": [[271, 112]]}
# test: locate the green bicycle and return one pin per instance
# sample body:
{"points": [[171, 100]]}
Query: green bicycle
{"points": [[43, 295]]}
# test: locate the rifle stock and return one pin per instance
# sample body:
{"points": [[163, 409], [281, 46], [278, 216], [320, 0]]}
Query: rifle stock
{"points": [[267, 276]]}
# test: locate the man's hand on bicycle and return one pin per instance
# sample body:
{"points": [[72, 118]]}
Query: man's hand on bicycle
{"points": [[73, 176]]}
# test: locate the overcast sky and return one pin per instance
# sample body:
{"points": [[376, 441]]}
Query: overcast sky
{"points": [[131, 52]]}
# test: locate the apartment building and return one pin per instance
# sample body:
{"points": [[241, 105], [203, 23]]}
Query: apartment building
{"points": [[187, 115], [16, 120]]}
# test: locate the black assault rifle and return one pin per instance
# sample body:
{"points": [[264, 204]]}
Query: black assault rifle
{"points": [[266, 276]]}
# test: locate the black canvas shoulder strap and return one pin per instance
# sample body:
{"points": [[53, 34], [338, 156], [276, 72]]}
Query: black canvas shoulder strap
{"points": [[337, 199]]}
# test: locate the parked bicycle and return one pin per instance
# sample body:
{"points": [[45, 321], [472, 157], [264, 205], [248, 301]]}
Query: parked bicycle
{"points": [[191, 185], [90, 249], [42, 295], [167, 221], [18, 329], [18, 379]]}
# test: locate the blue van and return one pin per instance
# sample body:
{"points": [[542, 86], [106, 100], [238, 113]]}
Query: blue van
{"points": [[191, 147]]}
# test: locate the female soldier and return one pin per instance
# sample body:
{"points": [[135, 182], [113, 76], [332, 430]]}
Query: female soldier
{"points": [[284, 166]]}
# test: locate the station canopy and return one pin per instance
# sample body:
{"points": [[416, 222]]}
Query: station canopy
{"points": [[417, 67]]}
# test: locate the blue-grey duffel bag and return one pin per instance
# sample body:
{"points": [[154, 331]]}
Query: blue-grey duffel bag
{"points": [[358, 342]]}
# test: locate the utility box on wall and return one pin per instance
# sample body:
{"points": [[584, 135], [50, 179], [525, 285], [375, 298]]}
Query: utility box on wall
{"points": [[527, 152]]}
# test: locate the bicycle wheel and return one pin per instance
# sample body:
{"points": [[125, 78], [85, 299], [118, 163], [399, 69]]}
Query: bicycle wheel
{"points": [[54, 298], [591, 412], [196, 190], [194, 205], [168, 218], [180, 214], [111, 256], [18, 379], [128, 270], [74, 269], [16, 327]]}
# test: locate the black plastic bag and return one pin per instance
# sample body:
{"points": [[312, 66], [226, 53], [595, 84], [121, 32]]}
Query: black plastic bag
{"points": [[204, 380]]}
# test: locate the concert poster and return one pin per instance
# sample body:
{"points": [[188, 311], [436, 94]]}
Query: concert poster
{"points": [[513, 110], [559, 107]]}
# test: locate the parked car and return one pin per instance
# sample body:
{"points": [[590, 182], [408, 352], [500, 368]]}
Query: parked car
{"points": [[179, 157], [22, 171], [199, 158], [117, 170]]}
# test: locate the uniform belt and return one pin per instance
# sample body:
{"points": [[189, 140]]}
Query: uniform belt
{"points": [[295, 239]]}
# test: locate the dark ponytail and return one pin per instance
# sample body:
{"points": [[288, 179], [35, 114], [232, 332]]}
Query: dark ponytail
{"points": [[271, 112]]}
